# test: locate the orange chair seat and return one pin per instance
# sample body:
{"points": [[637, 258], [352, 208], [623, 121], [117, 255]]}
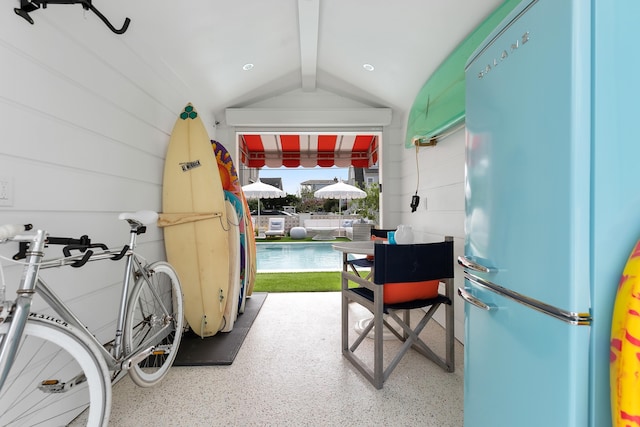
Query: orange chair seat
{"points": [[408, 291]]}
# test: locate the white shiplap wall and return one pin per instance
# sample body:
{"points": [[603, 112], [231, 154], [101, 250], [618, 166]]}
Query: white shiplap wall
{"points": [[440, 183], [85, 118]]}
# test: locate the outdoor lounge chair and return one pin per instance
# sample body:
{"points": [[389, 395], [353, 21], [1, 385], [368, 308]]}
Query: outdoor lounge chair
{"points": [[276, 227]]}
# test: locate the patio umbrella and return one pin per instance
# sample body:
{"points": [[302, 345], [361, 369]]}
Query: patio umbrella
{"points": [[260, 190], [340, 190]]}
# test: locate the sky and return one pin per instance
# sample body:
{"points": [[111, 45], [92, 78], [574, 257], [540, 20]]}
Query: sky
{"points": [[292, 177]]}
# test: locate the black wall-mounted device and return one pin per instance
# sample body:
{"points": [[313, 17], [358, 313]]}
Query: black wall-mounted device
{"points": [[415, 201]]}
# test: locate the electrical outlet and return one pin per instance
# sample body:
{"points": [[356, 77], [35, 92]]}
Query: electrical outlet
{"points": [[6, 191]]}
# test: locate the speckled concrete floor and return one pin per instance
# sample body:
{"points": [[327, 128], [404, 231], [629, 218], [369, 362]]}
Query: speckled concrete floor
{"points": [[290, 372]]}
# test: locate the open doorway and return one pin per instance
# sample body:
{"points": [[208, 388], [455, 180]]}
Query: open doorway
{"points": [[305, 161]]}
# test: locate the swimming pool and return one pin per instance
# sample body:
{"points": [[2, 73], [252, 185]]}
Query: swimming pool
{"points": [[282, 257]]}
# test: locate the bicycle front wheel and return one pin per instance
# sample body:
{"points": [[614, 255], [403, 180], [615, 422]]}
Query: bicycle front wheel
{"points": [[56, 375], [154, 318]]}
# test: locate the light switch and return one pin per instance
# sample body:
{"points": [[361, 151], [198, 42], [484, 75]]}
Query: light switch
{"points": [[6, 191]]}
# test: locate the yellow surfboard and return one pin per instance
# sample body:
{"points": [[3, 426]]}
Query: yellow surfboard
{"points": [[195, 220]]}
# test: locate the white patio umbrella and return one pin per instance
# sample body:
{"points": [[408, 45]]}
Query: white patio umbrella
{"points": [[260, 190], [340, 190]]}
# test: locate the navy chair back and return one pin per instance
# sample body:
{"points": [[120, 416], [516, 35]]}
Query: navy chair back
{"points": [[413, 263]]}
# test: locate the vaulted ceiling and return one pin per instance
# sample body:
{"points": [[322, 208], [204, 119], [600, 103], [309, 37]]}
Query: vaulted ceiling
{"points": [[312, 51]]}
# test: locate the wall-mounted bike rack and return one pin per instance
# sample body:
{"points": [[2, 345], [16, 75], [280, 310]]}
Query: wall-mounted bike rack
{"points": [[27, 6]]}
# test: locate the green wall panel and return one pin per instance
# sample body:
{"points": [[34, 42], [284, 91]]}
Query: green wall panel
{"points": [[440, 103]]}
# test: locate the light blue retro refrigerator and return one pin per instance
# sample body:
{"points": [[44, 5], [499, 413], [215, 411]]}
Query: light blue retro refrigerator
{"points": [[552, 192]]}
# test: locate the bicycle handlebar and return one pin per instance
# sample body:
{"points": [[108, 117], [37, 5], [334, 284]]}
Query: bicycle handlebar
{"points": [[83, 244], [83, 260], [82, 248]]}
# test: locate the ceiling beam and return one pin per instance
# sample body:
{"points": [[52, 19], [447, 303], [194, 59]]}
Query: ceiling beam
{"points": [[308, 21], [287, 117]]}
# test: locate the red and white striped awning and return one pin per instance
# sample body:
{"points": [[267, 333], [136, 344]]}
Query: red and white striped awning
{"points": [[308, 150]]}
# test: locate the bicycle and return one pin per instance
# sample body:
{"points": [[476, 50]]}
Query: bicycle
{"points": [[51, 367]]}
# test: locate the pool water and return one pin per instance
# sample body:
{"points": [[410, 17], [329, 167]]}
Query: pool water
{"points": [[282, 257]]}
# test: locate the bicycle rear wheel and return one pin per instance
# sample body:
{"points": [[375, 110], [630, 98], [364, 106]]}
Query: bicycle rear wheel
{"points": [[56, 375], [154, 318]]}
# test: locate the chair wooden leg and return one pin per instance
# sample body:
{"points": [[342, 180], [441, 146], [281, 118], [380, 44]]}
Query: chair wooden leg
{"points": [[375, 376], [450, 337], [378, 332], [345, 312]]}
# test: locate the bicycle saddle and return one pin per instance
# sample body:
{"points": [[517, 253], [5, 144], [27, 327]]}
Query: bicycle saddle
{"points": [[143, 217]]}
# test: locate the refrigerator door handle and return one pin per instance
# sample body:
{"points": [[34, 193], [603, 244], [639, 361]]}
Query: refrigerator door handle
{"points": [[472, 265], [475, 301], [564, 315]]}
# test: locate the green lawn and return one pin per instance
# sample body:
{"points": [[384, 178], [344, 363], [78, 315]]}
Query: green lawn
{"points": [[298, 282]]}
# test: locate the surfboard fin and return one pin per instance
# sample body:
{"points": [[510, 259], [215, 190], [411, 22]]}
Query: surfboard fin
{"points": [[27, 6]]}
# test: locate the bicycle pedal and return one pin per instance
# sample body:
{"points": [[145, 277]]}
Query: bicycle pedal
{"points": [[51, 386]]}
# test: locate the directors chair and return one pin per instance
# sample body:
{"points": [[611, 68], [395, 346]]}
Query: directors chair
{"points": [[405, 277]]}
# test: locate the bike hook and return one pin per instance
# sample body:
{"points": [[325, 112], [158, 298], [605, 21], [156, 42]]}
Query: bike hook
{"points": [[27, 6]]}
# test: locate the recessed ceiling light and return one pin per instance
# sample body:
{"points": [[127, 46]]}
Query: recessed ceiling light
{"points": [[368, 67], [247, 67]]}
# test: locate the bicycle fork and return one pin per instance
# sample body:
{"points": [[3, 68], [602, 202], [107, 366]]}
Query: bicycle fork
{"points": [[22, 307]]}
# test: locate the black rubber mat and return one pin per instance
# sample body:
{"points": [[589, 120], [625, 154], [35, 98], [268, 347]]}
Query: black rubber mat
{"points": [[222, 348]]}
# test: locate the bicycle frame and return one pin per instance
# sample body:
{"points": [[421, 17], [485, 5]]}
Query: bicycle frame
{"points": [[31, 283], [113, 359]]}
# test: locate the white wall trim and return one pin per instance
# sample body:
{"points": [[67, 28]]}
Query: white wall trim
{"points": [[273, 117]]}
